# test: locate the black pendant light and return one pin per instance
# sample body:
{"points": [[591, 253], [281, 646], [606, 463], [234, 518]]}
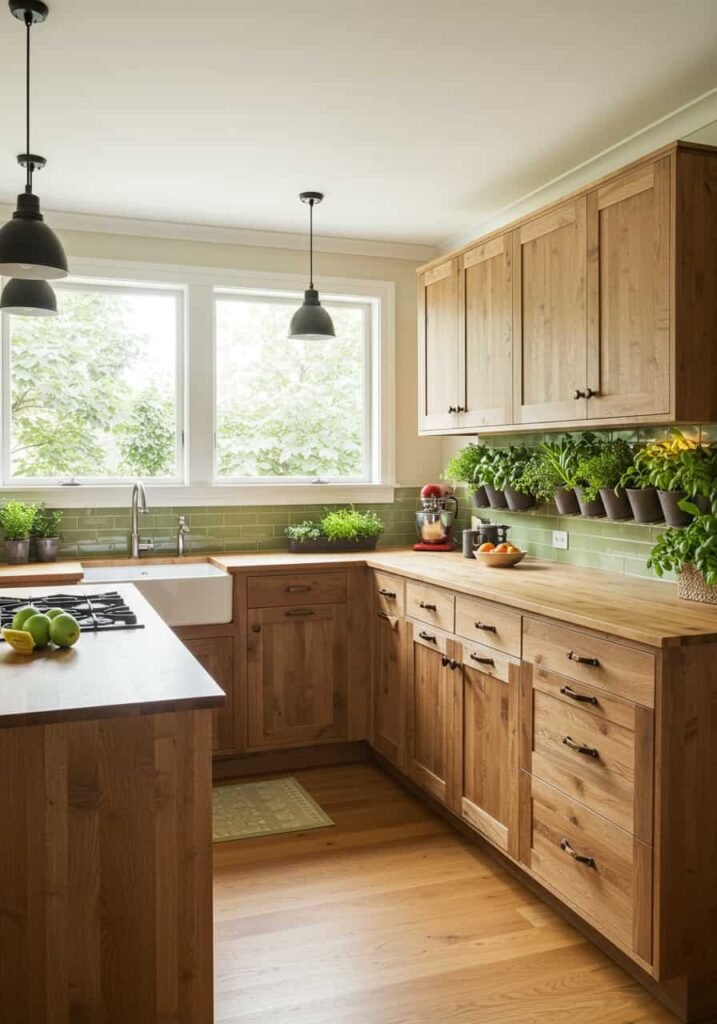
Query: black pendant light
{"points": [[28, 298], [29, 249], [311, 322]]}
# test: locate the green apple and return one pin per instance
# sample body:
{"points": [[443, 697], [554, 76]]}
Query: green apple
{"points": [[52, 613], [38, 626], [64, 630], [22, 614]]}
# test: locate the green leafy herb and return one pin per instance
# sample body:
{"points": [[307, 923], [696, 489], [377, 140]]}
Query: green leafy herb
{"points": [[675, 464], [338, 524], [604, 468], [467, 465], [304, 531], [16, 519], [47, 521], [695, 545]]}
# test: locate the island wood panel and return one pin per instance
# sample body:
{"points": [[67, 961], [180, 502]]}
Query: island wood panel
{"points": [[297, 675], [485, 331], [549, 303], [105, 871], [629, 315], [438, 347]]}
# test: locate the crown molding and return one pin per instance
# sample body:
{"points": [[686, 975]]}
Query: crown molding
{"points": [[139, 227], [675, 125]]}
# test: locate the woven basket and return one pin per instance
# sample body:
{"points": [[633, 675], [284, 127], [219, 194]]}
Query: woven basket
{"points": [[691, 586]]}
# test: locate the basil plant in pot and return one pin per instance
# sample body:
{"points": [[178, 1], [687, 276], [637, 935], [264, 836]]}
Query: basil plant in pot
{"points": [[599, 476], [641, 493], [343, 529], [46, 531], [691, 552], [507, 471], [16, 521], [466, 467], [552, 473]]}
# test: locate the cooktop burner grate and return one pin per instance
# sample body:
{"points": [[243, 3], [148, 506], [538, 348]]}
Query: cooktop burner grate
{"points": [[94, 612]]}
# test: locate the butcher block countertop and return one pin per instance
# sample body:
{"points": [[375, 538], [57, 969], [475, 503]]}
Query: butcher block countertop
{"points": [[646, 611], [132, 671], [40, 574]]}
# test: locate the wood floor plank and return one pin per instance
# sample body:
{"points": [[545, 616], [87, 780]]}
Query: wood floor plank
{"points": [[391, 917]]}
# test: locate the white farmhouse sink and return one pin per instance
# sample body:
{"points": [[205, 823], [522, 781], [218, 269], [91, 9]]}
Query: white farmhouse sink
{"points": [[194, 594]]}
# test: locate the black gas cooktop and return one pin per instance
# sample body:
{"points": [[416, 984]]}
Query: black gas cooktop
{"points": [[94, 612]]}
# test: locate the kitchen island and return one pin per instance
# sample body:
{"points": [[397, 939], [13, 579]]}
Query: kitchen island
{"points": [[105, 855]]}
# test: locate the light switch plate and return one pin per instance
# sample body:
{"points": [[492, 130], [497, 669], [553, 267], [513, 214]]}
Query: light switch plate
{"points": [[560, 539]]}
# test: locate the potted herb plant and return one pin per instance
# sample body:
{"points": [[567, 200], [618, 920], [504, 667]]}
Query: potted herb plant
{"points": [[16, 519], [466, 467], [343, 529], [642, 495], [599, 476], [691, 552], [557, 466], [46, 531], [491, 473], [510, 477], [681, 469]]}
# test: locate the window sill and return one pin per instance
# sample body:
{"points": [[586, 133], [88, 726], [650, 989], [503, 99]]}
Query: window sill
{"points": [[204, 496]]}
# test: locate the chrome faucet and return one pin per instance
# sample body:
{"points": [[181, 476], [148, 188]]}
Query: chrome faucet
{"points": [[182, 531], [139, 504]]}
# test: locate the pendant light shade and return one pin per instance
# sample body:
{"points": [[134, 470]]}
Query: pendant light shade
{"points": [[311, 322], [29, 249], [28, 298]]}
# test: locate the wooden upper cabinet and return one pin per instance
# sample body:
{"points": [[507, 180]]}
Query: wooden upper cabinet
{"points": [[550, 308], [485, 332], [629, 294], [438, 348], [297, 675]]}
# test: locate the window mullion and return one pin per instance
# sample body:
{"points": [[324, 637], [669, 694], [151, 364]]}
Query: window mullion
{"points": [[199, 388]]}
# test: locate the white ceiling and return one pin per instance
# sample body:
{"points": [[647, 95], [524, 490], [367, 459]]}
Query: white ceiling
{"points": [[417, 118]]}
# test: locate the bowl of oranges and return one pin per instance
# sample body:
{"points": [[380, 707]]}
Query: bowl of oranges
{"points": [[499, 556]]}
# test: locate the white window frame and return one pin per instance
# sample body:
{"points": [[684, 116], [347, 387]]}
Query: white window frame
{"points": [[197, 393]]}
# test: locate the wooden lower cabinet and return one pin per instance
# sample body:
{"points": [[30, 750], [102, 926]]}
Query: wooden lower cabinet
{"points": [[432, 704], [297, 675], [216, 655], [388, 725]]}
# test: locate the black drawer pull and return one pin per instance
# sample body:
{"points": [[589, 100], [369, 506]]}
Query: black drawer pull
{"points": [[484, 626], [482, 661], [579, 748], [387, 593], [583, 661], [382, 615], [428, 607], [298, 588], [580, 858], [300, 612], [581, 697], [427, 636], [449, 663]]}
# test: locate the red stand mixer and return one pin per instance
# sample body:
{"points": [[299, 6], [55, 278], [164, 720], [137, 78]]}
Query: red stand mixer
{"points": [[435, 522]]}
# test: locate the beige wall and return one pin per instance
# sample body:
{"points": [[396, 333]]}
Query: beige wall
{"points": [[417, 460]]}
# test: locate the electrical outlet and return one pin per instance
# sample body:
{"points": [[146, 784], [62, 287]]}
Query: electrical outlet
{"points": [[560, 539]]}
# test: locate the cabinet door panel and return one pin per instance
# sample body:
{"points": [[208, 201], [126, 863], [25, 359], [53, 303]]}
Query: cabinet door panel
{"points": [[297, 671], [486, 334], [389, 708], [432, 741], [216, 655], [550, 329], [490, 755], [629, 294], [438, 341]]}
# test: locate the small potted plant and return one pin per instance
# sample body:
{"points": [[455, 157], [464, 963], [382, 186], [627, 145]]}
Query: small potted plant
{"points": [[512, 463], [16, 520], [466, 467], [691, 552], [555, 472], [641, 493], [491, 472], [681, 469], [343, 529], [599, 476], [46, 531]]}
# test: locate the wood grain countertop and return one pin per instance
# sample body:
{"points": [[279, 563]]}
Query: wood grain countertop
{"points": [[133, 671], [646, 611], [40, 573]]}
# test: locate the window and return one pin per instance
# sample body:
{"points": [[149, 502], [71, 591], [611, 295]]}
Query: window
{"points": [[289, 409], [93, 394]]}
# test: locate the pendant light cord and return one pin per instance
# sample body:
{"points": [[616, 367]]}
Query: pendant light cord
{"points": [[29, 168], [311, 243]]}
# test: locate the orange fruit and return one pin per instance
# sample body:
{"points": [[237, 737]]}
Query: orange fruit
{"points": [[513, 550], [502, 549], [487, 546]]}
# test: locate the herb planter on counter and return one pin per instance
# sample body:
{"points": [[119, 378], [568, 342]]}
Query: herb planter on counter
{"points": [[322, 545]]}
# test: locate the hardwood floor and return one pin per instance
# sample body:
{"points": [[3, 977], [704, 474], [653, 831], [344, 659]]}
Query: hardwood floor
{"points": [[393, 918]]}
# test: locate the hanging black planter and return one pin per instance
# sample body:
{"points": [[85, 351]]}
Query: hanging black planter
{"points": [[311, 322], [29, 248]]}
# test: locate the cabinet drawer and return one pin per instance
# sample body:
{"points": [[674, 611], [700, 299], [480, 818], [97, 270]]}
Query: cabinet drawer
{"points": [[299, 588], [390, 593], [603, 759], [486, 660], [488, 623], [434, 639], [603, 871], [427, 604], [624, 671]]}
